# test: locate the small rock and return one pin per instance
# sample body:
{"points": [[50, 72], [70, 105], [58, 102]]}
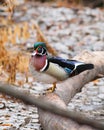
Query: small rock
{"points": [[87, 108], [101, 89], [101, 96]]}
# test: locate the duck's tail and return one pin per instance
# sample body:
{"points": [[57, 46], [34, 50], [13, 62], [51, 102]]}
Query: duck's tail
{"points": [[82, 67]]}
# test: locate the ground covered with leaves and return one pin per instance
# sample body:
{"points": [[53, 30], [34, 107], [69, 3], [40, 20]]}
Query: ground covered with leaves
{"points": [[69, 31]]}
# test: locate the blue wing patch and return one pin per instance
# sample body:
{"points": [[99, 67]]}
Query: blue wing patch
{"points": [[68, 70]]}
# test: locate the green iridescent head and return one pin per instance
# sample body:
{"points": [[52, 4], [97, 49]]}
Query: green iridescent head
{"points": [[39, 44]]}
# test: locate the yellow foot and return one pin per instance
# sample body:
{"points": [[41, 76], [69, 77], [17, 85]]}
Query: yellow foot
{"points": [[51, 89]]}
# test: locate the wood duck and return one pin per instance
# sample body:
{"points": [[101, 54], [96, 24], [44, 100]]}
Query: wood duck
{"points": [[51, 69]]}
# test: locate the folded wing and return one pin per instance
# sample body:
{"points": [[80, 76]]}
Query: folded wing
{"points": [[72, 67]]}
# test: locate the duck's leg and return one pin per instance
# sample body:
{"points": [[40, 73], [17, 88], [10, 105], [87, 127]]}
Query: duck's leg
{"points": [[51, 89]]}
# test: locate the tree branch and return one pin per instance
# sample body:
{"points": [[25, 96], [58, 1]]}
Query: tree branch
{"points": [[44, 104]]}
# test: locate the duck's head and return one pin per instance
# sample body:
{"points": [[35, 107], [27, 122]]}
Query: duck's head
{"points": [[39, 56], [39, 49]]}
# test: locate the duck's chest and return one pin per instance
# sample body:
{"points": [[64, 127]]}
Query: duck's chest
{"points": [[42, 76]]}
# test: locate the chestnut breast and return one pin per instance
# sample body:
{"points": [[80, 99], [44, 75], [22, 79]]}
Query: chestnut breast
{"points": [[38, 62]]}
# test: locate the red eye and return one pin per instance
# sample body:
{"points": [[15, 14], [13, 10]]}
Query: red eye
{"points": [[39, 49]]}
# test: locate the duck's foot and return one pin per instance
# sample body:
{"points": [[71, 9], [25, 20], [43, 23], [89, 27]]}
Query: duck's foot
{"points": [[51, 89]]}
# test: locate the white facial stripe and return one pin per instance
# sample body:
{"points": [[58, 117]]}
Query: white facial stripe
{"points": [[41, 54], [33, 54], [41, 70], [42, 50]]}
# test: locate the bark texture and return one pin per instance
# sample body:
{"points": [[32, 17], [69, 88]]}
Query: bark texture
{"points": [[92, 3]]}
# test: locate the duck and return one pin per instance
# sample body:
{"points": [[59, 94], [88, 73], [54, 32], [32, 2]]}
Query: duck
{"points": [[52, 69]]}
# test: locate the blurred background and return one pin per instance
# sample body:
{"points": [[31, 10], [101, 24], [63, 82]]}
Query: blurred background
{"points": [[68, 27]]}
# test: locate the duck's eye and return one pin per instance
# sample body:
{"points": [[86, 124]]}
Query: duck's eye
{"points": [[39, 49]]}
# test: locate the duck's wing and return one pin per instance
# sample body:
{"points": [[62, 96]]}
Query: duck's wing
{"points": [[72, 67]]}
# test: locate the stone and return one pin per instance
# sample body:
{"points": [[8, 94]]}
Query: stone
{"points": [[101, 89], [101, 96]]}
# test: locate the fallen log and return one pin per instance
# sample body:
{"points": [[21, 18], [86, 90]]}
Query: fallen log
{"points": [[67, 89], [93, 4], [53, 107]]}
